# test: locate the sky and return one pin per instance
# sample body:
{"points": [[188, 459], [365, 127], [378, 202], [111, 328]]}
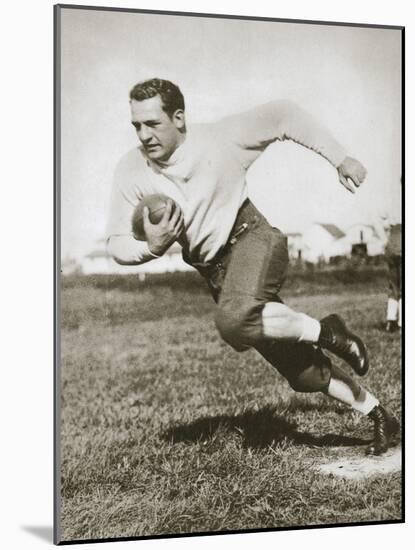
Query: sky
{"points": [[348, 78]]}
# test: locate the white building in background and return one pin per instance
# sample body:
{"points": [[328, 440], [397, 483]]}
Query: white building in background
{"points": [[319, 242], [360, 233], [69, 265], [98, 261], [322, 241]]}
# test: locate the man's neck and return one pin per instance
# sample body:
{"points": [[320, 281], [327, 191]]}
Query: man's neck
{"points": [[175, 155]]}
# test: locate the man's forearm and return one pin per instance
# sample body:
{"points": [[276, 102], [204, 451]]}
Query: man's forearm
{"points": [[126, 250]]}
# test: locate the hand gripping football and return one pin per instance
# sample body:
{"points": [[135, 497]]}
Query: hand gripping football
{"points": [[156, 205]]}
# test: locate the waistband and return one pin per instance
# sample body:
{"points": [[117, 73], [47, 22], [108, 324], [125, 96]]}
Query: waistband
{"points": [[247, 218]]}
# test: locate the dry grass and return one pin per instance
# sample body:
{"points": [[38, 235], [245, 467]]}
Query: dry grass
{"points": [[166, 430]]}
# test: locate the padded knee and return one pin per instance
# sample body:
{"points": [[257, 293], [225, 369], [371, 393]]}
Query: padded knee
{"points": [[239, 322], [315, 377]]}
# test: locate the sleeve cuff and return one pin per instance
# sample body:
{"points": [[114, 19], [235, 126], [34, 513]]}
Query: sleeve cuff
{"points": [[150, 253], [336, 155]]}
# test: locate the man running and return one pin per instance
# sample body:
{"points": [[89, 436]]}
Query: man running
{"points": [[202, 169]]}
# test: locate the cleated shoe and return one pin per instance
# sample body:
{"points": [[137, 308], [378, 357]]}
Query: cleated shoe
{"points": [[336, 337], [391, 326], [385, 431]]}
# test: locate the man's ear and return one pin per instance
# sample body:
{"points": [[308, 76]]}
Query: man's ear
{"points": [[179, 119]]}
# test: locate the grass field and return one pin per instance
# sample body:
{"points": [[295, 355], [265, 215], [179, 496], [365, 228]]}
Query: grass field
{"points": [[165, 429]]}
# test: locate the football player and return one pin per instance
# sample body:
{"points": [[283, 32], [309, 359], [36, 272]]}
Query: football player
{"points": [[243, 259]]}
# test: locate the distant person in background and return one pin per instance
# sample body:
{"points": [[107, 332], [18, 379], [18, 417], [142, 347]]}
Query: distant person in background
{"points": [[389, 228], [202, 169]]}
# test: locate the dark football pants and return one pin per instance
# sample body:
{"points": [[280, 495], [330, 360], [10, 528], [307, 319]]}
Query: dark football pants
{"points": [[247, 274], [393, 253], [394, 275]]}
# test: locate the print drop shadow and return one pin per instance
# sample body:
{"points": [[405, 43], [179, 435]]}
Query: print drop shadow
{"points": [[43, 532], [258, 429]]}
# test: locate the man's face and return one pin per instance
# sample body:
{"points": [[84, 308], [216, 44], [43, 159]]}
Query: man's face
{"points": [[159, 134]]}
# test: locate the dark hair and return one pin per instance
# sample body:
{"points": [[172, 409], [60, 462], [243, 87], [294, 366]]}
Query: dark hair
{"points": [[170, 94]]}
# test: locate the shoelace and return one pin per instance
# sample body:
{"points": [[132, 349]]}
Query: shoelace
{"points": [[379, 429]]}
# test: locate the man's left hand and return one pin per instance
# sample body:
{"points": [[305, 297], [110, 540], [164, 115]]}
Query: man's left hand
{"points": [[351, 174]]}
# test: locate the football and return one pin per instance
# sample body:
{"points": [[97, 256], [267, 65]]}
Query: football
{"points": [[156, 205]]}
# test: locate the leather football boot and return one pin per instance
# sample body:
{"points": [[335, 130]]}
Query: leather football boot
{"points": [[385, 431], [336, 337], [391, 326]]}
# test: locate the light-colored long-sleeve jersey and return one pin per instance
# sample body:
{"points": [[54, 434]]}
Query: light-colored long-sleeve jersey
{"points": [[206, 176]]}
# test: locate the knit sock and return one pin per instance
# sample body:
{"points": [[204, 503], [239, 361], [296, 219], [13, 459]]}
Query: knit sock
{"points": [[392, 310], [364, 402], [400, 313], [345, 389]]}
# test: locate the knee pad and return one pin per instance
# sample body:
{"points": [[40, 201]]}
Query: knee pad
{"points": [[313, 378], [239, 322]]}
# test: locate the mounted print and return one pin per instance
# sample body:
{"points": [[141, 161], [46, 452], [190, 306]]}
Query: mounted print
{"points": [[229, 314]]}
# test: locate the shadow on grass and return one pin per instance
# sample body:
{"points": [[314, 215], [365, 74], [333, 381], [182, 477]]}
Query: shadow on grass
{"points": [[258, 429]]}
